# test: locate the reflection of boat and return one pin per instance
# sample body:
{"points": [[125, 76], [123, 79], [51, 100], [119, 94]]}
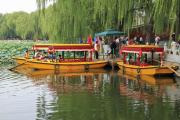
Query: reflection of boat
{"points": [[139, 95], [139, 60], [67, 81], [157, 80], [152, 80], [71, 56], [37, 73], [24, 69], [133, 88], [143, 87]]}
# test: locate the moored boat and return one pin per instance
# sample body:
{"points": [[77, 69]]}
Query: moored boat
{"points": [[143, 60], [62, 57]]}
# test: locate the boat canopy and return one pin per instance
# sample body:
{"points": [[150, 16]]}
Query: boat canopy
{"points": [[63, 47], [110, 32], [141, 49]]}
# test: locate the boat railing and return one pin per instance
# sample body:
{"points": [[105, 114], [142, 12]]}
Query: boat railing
{"points": [[148, 63], [75, 60]]}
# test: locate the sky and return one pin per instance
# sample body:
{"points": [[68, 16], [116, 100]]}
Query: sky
{"points": [[9, 6]]}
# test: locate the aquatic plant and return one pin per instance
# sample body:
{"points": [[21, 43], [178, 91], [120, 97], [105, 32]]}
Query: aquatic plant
{"points": [[8, 49]]}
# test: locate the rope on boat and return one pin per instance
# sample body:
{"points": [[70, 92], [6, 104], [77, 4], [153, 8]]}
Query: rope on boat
{"points": [[12, 69]]}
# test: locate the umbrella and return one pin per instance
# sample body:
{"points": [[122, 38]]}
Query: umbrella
{"points": [[110, 32]]}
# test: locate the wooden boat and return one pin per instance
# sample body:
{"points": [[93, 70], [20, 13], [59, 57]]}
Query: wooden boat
{"points": [[143, 60], [72, 57]]}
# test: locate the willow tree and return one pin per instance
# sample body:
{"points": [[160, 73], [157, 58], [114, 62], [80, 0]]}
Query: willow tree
{"points": [[167, 15], [72, 18], [69, 19], [82, 17]]}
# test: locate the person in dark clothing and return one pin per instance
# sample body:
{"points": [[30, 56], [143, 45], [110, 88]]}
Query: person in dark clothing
{"points": [[113, 48], [173, 36]]}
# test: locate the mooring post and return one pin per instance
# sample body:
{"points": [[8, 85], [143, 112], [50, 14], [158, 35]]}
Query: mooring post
{"points": [[112, 63]]}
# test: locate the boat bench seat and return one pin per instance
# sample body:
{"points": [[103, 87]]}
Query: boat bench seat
{"points": [[144, 64]]}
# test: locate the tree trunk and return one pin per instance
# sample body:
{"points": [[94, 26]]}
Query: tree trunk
{"points": [[149, 31]]}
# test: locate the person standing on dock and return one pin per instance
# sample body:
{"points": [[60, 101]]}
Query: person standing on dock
{"points": [[157, 38], [113, 48], [96, 49]]}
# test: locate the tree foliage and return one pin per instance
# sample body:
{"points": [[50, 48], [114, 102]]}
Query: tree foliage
{"points": [[67, 20]]}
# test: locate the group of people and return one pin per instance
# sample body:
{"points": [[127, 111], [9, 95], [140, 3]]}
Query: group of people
{"points": [[109, 47], [42, 55]]}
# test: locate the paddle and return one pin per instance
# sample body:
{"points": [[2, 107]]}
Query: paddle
{"points": [[12, 69], [178, 74]]}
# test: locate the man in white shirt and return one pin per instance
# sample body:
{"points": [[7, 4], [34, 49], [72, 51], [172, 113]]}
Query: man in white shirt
{"points": [[157, 38]]}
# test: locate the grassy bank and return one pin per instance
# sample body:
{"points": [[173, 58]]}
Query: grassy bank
{"points": [[10, 48]]}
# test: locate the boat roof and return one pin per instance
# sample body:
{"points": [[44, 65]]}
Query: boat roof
{"points": [[63, 47], [141, 48]]}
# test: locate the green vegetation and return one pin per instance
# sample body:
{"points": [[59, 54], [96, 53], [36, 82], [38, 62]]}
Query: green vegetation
{"points": [[69, 20], [8, 49], [82, 17]]}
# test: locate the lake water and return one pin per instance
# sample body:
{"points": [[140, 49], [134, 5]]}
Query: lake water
{"points": [[93, 95]]}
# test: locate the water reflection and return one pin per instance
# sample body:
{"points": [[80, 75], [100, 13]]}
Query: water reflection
{"points": [[144, 88], [68, 81], [86, 95], [78, 94]]}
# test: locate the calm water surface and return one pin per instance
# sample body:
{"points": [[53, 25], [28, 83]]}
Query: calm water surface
{"points": [[94, 95]]}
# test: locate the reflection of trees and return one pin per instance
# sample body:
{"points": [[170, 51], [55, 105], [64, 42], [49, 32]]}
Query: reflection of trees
{"points": [[144, 100], [98, 96], [41, 107], [176, 110], [72, 90], [88, 106]]}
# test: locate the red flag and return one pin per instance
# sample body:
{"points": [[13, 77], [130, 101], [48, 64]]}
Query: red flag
{"points": [[89, 40]]}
